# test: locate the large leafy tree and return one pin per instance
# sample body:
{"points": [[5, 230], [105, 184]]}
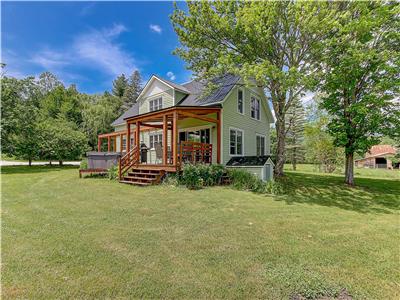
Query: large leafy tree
{"points": [[98, 113], [273, 43], [361, 77], [19, 103], [65, 102], [47, 82], [132, 90], [60, 140]]}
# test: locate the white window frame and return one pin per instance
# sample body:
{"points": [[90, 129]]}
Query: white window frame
{"points": [[265, 143], [159, 104], [243, 101], [251, 107], [242, 131], [152, 135]]}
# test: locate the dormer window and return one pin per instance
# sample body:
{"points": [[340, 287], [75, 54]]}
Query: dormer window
{"points": [[155, 104]]}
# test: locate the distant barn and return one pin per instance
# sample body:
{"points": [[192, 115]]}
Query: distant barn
{"points": [[378, 157]]}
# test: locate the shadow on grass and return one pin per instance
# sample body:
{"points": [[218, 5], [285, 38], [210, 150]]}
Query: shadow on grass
{"points": [[370, 195], [34, 169]]}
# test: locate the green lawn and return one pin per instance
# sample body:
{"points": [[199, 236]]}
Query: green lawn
{"points": [[358, 172], [64, 237]]}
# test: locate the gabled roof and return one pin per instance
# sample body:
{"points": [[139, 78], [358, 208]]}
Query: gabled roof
{"points": [[195, 93], [133, 111], [380, 150]]}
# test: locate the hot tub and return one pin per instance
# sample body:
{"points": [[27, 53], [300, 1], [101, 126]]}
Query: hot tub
{"points": [[102, 160]]}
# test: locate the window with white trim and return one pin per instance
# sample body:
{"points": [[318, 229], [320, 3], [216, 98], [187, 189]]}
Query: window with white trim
{"points": [[260, 145], [155, 138], [236, 142], [255, 108], [155, 104], [240, 106]]}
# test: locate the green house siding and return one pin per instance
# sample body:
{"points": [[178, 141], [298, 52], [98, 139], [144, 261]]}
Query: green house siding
{"points": [[231, 118], [167, 101]]}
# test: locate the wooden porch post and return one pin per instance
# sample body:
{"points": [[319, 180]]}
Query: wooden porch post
{"points": [[174, 138], [108, 144], [99, 144], [137, 137], [121, 136], [165, 140], [128, 138], [219, 137]]}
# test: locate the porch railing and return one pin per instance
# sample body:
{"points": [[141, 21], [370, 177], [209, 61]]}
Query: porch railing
{"points": [[129, 160], [195, 152]]}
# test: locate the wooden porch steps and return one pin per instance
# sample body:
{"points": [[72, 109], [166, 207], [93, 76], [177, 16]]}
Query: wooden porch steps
{"points": [[143, 177]]}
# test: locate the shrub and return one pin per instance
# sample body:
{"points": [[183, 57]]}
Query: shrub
{"points": [[275, 187], [171, 179], [84, 164], [113, 173], [244, 180], [197, 176]]}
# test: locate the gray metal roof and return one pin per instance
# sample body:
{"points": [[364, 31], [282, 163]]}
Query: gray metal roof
{"points": [[224, 84], [196, 97], [133, 111], [248, 161]]}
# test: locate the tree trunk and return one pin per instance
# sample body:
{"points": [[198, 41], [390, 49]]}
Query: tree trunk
{"points": [[60, 162], [294, 162], [30, 162], [349, 172], [280, 147], [50, 163]]}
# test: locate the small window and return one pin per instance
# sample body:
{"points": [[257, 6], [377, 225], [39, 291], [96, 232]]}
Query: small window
{"points": [[255, 108], [123, 144], [240, 105], [260, 145], [155, 138], [236, 142], [155, 104]]}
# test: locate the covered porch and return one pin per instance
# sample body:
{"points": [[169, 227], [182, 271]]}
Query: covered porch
{"points": [[177, 135]]}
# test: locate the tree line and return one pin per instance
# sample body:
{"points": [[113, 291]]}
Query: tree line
{"points": [[346, 51], [43, 119]]}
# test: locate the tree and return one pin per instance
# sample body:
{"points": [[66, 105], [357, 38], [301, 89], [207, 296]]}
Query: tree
{"points": [[62, 102], [132, 91], [17, 97], [120, 85], [48, 82], [61, 140], [25, 140], [319, 146], [295, 120], [361, 77], [273, 43]]}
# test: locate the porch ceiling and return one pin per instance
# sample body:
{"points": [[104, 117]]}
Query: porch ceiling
{"points": [[182, 111]]}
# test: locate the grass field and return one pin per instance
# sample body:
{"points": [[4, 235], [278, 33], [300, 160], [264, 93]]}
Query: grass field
{"points": [[64, 237]]}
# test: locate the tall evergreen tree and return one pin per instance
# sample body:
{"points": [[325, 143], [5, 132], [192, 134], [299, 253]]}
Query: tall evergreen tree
{"points": [[132, 91], [119, 86], [295, 121]]}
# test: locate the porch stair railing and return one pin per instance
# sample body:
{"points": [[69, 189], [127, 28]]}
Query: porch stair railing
{"points": [[129, 160]]}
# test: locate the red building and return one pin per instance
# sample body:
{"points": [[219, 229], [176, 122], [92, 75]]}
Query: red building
{"points": [[377, 157]]}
